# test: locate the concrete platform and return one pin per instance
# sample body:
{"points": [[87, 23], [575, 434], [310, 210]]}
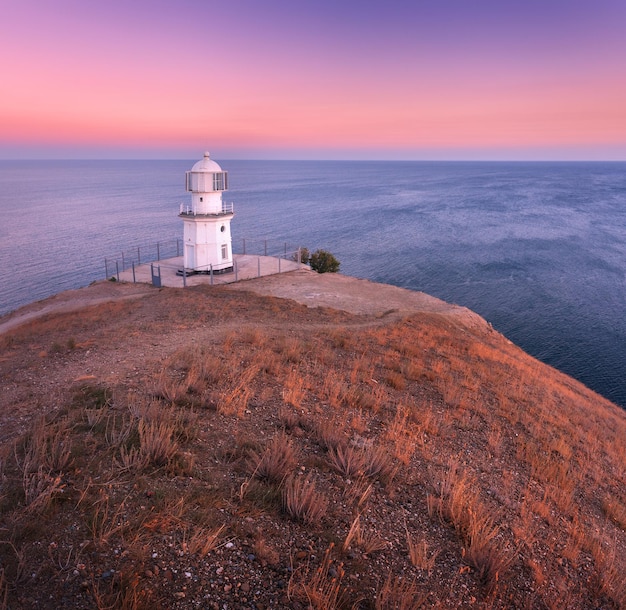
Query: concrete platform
{"points": [[246, 267]]}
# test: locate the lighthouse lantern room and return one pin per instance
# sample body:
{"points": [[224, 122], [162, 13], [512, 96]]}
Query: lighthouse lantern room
{"points": [[206, 221]]}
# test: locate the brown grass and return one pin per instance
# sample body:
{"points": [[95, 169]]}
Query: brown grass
{"points": [[302, 501], [398, 593], [421, 445], [322, 588], [276, 462]]}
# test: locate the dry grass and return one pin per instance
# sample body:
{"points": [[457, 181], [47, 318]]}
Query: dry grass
{"points": [[398, 593], [203, 540], [276, 462], [322, 589], [420, 554], [303, 502], [292, 428]]}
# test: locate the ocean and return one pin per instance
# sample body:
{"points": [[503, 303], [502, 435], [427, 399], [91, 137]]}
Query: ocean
{"points": [[538, 249]]}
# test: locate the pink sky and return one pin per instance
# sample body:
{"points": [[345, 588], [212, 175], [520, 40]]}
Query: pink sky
{"points": [[427, 79]]}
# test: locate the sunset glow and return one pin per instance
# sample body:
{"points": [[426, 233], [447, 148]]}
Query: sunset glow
{"points": [[415, 80]]}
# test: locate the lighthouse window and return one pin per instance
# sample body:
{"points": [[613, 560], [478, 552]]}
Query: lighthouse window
{"points": [[200, 199], [224, 251], [220, 182], [222, 228]]}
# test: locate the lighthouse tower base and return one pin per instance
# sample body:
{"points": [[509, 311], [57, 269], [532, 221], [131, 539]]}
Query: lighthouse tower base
{"points": [[189, 272]]}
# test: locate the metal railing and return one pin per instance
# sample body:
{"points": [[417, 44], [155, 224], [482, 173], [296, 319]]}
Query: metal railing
{"points": [[142, 254], [263, 247], [186, 209]]}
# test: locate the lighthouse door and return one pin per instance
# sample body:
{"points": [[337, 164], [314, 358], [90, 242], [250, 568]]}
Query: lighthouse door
{"points": [[190, 262]]}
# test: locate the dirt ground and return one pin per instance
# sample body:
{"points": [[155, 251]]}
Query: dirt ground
{"points": [[312, 289]]}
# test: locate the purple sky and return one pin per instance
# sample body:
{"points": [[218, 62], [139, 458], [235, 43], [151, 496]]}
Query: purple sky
{"points": [[445, 79]]}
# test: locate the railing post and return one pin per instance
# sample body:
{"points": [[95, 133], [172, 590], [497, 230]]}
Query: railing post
{"points": [[177, 250], [244, 245], [106, 269], [184, 274], [236, 271], [211, 273], [265, 247], [285, 248], [117, 269], [123, 265], [158, 252], [138, 256], [299, 255], [134, 279]]}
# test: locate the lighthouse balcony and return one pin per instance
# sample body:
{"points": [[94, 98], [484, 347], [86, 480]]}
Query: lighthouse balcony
{"points": [[187, 210]]}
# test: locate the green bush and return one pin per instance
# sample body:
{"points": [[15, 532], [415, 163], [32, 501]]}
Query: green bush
{"points": [[324, 262]]}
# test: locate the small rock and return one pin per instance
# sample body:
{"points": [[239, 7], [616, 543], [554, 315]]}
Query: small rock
{"points": [[180, 595], [227, 588], [245, 587], [149, 573]]}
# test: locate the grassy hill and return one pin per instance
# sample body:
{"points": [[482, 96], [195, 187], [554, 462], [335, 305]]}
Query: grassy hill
{"points": [[213, 448]]}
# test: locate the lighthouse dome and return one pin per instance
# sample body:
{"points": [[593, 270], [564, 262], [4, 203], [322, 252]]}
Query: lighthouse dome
{"points": [[206, 164]]}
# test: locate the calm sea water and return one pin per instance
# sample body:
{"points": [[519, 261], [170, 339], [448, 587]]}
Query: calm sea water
{"points": [[538, 249]]}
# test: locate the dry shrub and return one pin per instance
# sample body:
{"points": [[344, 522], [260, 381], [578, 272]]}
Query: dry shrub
{"points": [[419, 554], [482, 550], [48, 447], [377, 463], [362, 370], [609, 578], [293, 389], [395, 380], [330, 433], [358, 422], [204, 540], [290, 349], [288, 418], [264, 551], [398, 432], [373, 399], [106, 521], [460, 505], [321, 589], [399, 594], [131, 459], [234, 400], [40, 488], [183, 375], [276, 462], [253, 335], [334, 389], [347, 460], [615, 510], [367, 541], [45, 455], [157, 444], [303, 502]]}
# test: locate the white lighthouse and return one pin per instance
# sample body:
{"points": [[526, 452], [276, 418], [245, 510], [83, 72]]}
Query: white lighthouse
{"points": [[207, 240]]}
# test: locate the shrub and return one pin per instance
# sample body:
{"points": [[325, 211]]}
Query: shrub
{"points": [[302, 501], [324, 262]]}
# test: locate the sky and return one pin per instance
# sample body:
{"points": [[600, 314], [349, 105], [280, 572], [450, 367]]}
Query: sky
{"points": [[331, 79]]}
